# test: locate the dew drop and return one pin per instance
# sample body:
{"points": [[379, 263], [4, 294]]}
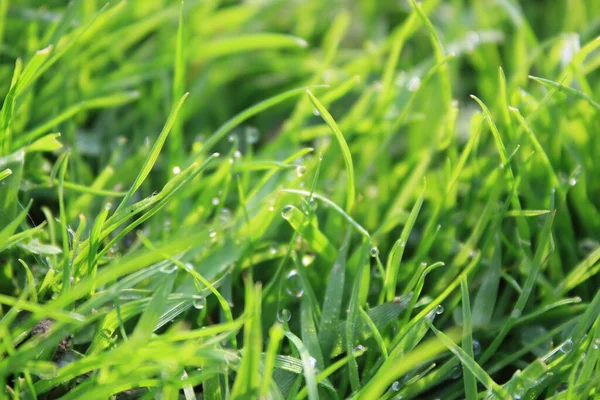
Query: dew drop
{"points": [[108, 206], [360, 347], [572, 182], [225, 216], [212, 234], [199, 302], [476, 347], [284, 315], [456, 372], [515, 313], [374, 252], [252, 135], [230, 138], [287, 211], [414, 84], [273, 250], [396, 386], [567, 346], [300, 170], [293, 285], [168, 269], [312, 202], [215, 201], [176, 170], [439, 309], [216, 154], [316, 112], [237, 154], [313, 362], [307, 259], [596, 344]]}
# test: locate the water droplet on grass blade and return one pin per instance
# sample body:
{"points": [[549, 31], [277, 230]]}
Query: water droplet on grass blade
{"points": [[307, 259], [168, 269], [225, 215], [476, 347], [374, 252], [300, 170], [252, 134], [572, 182], [313, 362], [215, 201], [284, 315], [596, 344], [396, 386], [567, 346], [176, 170], [293, 284], [287, 211], [439, 309], [456, 372], [199, 302], [414, 84]]}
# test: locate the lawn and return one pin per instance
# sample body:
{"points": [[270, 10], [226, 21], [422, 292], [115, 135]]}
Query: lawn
{"points": [[285, 199]]}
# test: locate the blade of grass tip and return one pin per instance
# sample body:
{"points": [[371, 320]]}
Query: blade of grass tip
{"points": [[395, 258], [537, 145], [418, 287], [276, 334], [307, 367], [153, 155], [5, 174], [250, 112], [470, 364], [333, 205], [66, 267], [566, 89], [247, 381], [332, 304], [30, 282], [467, 339], [351, 194], [495, 133]]}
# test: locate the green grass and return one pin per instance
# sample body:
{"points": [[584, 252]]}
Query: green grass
{"points": [[300, 199]]}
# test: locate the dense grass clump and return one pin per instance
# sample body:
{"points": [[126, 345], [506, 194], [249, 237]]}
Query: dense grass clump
{"points": [[300, 199]]}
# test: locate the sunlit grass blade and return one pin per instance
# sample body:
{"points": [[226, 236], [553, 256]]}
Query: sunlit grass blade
{"points": [[351, 191]]}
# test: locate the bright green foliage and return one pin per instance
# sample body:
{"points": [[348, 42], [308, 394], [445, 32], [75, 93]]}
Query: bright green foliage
{"points": [[284, 199]]}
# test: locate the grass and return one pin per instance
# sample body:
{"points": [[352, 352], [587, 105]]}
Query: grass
{"points": [[278, 199]]}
